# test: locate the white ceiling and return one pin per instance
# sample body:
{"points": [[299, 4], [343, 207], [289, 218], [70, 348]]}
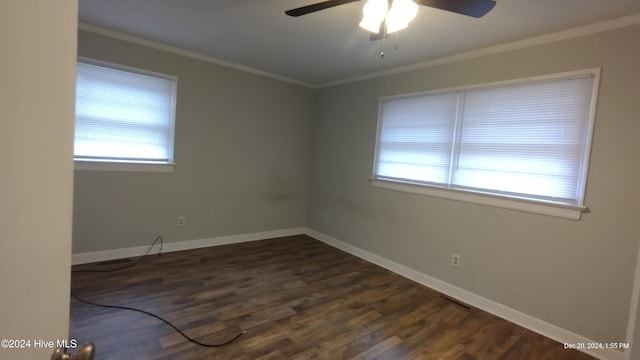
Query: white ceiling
{"points": [[328, 46]]}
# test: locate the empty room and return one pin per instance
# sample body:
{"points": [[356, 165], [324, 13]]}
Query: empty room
{"points": [[278, 179]]}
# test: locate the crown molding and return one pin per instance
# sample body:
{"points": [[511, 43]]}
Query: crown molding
{"points": [[191, 54], [520, 44]]}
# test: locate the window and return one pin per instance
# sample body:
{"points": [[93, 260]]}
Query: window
{"points": [[507, 144], [123, 115]]}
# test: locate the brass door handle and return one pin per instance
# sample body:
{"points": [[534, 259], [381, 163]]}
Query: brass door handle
{"points": [[85, 352]]}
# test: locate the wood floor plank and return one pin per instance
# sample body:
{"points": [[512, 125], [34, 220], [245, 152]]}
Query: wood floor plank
{"points": [[378, 349], [296, 298]]}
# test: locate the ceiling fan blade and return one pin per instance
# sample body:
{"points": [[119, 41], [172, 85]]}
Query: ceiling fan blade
{"points": [[317, 7], [474, 8]]}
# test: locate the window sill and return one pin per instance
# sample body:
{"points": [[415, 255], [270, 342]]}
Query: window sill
{"points": [[549, 209], [80, 165]]}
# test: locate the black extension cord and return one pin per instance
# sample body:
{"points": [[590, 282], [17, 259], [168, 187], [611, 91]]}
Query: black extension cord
{"points": [[143, 311], [128, 265]]}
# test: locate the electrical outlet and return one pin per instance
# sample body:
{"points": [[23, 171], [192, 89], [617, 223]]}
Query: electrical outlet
{"points": [[456, 260], [182, 220], [325, 217]]}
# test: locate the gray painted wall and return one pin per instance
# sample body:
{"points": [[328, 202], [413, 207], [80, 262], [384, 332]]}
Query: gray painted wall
{"points": [[242, 152], [577, 275]]}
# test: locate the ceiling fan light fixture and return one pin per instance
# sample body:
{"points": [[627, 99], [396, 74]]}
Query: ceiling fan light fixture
{"points": [[400, 14], [404, 9], [393, 26], [397, 17], [370, 25], [374, 12]]}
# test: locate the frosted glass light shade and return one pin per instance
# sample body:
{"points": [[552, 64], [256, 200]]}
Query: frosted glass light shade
{"points": [[400, 14], [398, 17], [374, 12]]}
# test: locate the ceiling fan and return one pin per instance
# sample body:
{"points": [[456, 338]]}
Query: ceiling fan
{"points": [[382, 17]]}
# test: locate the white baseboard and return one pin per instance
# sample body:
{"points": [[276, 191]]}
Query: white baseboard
{"points": [[541, 327], [94, 256]]}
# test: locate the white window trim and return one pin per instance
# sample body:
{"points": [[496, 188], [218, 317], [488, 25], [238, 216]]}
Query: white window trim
{"points": [[83, 165], [140, 166], [511, 203], [572, 212]]}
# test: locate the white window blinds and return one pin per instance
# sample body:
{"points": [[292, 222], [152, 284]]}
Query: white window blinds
{"points": [[416, 137], [123, 116], [526, 140]]}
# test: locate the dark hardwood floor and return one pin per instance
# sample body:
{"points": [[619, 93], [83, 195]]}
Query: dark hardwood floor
{"points": [[296, 298]]}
